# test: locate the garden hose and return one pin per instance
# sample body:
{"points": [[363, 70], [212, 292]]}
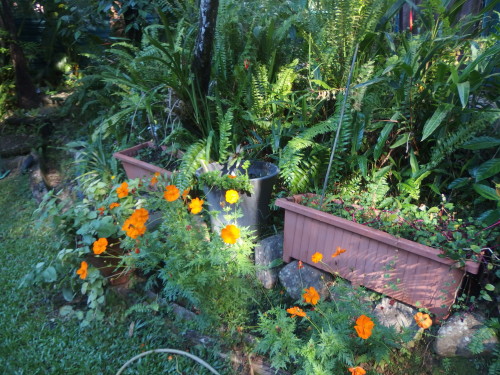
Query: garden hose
{"points": [[171, 351]]}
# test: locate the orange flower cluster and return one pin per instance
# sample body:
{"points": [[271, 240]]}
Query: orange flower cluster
{"points": [[423, 320], [338, 252], [296, 311], [364, 326], [122, 190], [196, 205], [99, 246], [171, 193], [357, 370], [82, 271], [230, 234], [311, 296], [317, 257], [114, 205], [135, 225]]}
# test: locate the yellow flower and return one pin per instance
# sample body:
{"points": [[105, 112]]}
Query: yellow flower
{"points": [[99, 246], [338, 252], [122, 190], [357, 370], [82, 271], [196, 205], [423, 320], [113, 205], [171, 193], [317, 257], [311, 296], [364, 327], [230, 233], [296, 311], [232, 196]]}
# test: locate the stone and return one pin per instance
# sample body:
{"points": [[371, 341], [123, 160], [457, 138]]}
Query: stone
{"points": [[267, 252], [392, 313], [455, 335], [295, 280]]}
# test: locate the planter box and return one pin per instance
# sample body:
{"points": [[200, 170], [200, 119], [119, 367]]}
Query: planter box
{"points": [[135, 168], [399, 268]]}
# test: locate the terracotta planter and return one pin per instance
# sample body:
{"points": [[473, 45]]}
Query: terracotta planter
{"points": [[135, 168], [399, 268], [108, 264]]}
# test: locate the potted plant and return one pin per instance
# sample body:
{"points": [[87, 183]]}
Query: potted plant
{"points": [[408, 271], [253, 180]]}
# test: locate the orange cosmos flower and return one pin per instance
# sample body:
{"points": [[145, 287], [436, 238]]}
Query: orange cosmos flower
{"points": [[99, 246], [196, 205], [171, 193], [232, 196], [231, 176], [122, 190], [154, 179], [135, 225], [114, 205], [311, 296], [423, 320], [101, 210], [296, 311], [185, 194], [82, 271], [364, 327], [338, 252], [230, 234], [317, 257], [357, 370]]}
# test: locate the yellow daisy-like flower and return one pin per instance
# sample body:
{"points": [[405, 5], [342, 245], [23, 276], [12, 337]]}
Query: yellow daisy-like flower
{"points": [[317, 257], [196, 205], [230, 234], [232, 196]]}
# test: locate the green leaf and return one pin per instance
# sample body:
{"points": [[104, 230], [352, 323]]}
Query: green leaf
{"points": [[489, 217], [480, 143], [486, 297], [487, 169], [463, 92], [384, 134], [401, 140], [66, 310], [458, 183], [486, 192], [437, 118], [49, 275], [489, 287], [68, 294]]}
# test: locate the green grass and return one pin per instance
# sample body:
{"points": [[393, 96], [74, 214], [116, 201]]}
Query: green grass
{"points": [[36, 339]]}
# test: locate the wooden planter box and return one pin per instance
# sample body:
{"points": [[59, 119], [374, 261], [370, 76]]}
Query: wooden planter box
{"points": [[135, 168], [399, 268]]}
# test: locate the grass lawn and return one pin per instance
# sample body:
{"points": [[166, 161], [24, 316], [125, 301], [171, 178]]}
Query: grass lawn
{"points": [[36, 339]]}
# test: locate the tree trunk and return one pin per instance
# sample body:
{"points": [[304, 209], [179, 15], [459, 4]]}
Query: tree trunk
{"points": [[202, 59], [27, 96]]}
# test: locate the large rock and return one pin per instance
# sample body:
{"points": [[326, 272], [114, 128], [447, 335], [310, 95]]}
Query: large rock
{"points": [[455, 335], [392, 313], [268, 251], [295, 280]]}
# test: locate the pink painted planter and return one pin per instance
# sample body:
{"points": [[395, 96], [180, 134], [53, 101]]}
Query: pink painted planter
{"points": [[399, 268], [135, 168]]}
